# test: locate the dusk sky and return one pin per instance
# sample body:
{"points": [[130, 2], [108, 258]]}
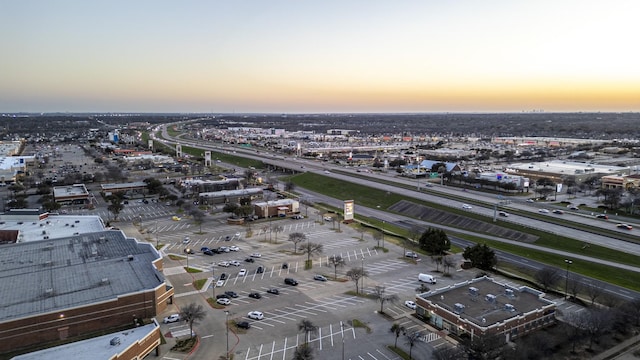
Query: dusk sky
{"points": [[303, 56]]}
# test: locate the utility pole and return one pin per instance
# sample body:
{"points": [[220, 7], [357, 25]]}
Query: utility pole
{"points": [[566, 278]]}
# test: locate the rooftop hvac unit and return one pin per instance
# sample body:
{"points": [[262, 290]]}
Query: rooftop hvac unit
{"points": [[509, 307], [104, 281], [48, 292], [474, 291], [490, 298], [509, 293], [458, 308], [130, 257], [115, 341]]}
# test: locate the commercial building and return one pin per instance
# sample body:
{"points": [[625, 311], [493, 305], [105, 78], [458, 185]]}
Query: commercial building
{"points": [[72, 194], [483, 307], [62, 289], [283, 207], [559, 171]]}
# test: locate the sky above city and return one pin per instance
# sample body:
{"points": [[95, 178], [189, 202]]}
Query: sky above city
{"points": [[304, 56]]}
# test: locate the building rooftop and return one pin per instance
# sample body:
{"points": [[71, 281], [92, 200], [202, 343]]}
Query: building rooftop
{"points": [[136, 184], [485, 302], [101, 347], [33, 227], [70, 190], [54, 275], [567, 167]]}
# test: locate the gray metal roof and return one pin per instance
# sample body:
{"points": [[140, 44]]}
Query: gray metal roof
{"points": [[53, 275]]}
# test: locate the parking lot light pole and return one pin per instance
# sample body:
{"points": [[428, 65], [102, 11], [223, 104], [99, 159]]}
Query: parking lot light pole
{"points": [[227, 324], [566, 278], [213, 283], [342, 330], [362, 275]]}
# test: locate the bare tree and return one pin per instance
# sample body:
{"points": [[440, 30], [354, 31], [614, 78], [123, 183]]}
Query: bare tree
{"points": [[276, 229], [448, 263], [307, 327], [296, 238], [437, 259], [574, 287], [547, 277], [377, 236], [448, 353], [355, 274], [303, 352], [379, 292], [593, 292], [310, 248], [336, 261], [193, 313], [412, 339], [595, 322], [198, 217], [396, 329]]}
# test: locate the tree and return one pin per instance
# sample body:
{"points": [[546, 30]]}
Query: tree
{"points": [[295, 238], [434, 241], [307, 327], [379, 292], [547, 277], [593, 292], [484, 347], [397, 329], [447, 353], [437, 259], [198, 217], [303, 352], [310, 248], [115, 205], [289, 186], [448, 263], [412, 339], [595, 322], [230, 208], [377, 236], [276, 229], [355, 274], [481, 256], [335, 261], [192, 313]]}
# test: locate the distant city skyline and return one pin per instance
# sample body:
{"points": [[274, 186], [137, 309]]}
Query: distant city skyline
{"points": [[319, 56]]}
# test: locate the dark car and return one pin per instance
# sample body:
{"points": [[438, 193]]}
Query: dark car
{"points": [[290, 281], [243, 324], [260, 270], [232, 294], [285, 266], [204, 248], [249, 260], [602, 216], [273, 291], [222, 296], [255, 295], [223, 276], [208, 252]]}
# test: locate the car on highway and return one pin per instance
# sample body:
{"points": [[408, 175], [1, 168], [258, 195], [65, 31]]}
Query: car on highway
{"points": [[242, 272], [410, 304], [319, 278], [572, 207], [223, 301], [544, 211], [255, 315], [559, 212], [602, 216], [291, 281], [175, 218], [625, 226], [256, 255], [255, 295], [171, 318], [223, 263], [234, 248], [503, 213], [243, 324], [530, 200], [467, 206], [234, 262], [273, 291], [232, 294]]}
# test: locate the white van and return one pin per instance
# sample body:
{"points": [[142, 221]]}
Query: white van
{"points": [[427, 278]]}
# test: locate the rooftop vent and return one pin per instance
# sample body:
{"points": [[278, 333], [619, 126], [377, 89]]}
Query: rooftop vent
{"points": [[130, 257], [458, 308], [115, 341], [490, 298], [509, 307], [474, 291], [48, 292], [48, 263], [509, 293], [104, 281]]}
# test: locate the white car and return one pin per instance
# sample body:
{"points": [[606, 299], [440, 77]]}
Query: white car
{"points": [[223, 264], [234, 248], [544, 211], [223, 301], [242, 272], [256, 255], [410, 304], [171, 318], [186, 240], [224, 249], [255, 315], [466, 206], [234, 262], [237, 234], [220, 283]]}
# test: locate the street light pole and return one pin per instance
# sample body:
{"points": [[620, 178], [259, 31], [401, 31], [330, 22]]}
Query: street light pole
{"points": [[383, 226], [566, 278], [362, 275], [342, 330], [213, 284], [227, 323], [156, 231]]}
